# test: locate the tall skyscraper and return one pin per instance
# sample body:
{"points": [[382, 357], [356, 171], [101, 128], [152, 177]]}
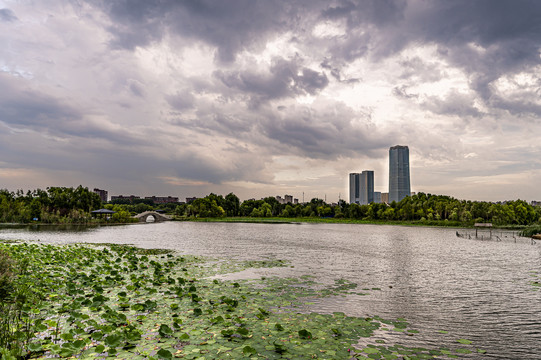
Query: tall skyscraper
{"points": [[399, 173], [361, 187]]}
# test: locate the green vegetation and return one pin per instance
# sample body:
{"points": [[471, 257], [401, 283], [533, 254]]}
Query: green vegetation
{"points": [[56, 205], [128, 303], [425, 209], [60, 205], [531, 230]]}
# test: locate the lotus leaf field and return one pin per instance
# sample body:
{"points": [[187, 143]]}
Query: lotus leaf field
{"points": [[118, 301]]}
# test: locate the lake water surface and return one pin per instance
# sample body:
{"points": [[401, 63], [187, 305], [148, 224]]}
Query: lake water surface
{"points": [[475, 289]]}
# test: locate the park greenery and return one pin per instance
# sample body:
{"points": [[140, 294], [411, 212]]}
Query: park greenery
{"points": [[53, 205], [420, 208], [117, 301], [74, 205]]}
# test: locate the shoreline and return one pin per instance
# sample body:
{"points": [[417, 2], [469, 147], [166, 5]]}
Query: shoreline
{"points": [[308, 220], [281, 220]]}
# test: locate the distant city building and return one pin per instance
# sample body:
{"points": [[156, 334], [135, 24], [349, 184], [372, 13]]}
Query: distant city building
{"points": [[103, 194], [536, 203], [131, 198], [361, 187], [377, 197], [385, 198], [190, 199], [295, 201], [286, 199], [162, 199], [399, 173]]}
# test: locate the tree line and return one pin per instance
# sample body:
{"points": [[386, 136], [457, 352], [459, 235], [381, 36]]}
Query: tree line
{"points": [[53, 205], [73, 205], [421, 207]]}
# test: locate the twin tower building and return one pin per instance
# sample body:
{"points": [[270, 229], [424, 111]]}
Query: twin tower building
{"points": [[361, 185]]}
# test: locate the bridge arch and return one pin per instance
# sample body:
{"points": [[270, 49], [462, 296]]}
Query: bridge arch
{"points": [[157, 216]]}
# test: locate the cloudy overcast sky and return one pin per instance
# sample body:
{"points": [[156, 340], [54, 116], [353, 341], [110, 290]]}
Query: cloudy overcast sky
{"points": [[268, 97]]}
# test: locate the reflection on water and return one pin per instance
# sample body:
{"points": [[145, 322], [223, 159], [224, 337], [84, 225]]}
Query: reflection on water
{"points": [[478, 290]]}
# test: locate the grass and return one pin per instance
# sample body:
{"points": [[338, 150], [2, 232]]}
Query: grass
{"points": [[319, 220], [120, 301], [282, 220]]}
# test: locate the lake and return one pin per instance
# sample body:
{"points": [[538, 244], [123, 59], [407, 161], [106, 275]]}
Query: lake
{"points": [[479, 290]]}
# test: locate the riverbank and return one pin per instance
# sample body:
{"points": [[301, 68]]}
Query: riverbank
{"points": [[115, 300], [315, 220]]}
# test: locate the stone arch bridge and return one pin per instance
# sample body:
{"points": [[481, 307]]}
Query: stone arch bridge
{"points": [[156, 217]]}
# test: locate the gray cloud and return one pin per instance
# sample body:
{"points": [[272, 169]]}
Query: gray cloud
{"points": [[230, 26], [324, 132], [415, 69], [7, 15], [181, 100], [26, 109], [284, 79], [402, 92], [509, 32], [23, 107], [453, 104]]}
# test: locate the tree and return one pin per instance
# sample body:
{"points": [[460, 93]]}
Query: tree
{"points": [[231, 205]]}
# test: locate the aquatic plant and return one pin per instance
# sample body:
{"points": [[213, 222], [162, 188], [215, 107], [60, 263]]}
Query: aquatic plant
{"points": [[531, 230], [121, 301]]}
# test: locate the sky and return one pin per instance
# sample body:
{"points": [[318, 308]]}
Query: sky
{"points": [[265, 98]]}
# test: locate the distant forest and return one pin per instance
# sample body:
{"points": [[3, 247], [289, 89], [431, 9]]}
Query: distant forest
{"points": [[74, 205], [427, 208]]}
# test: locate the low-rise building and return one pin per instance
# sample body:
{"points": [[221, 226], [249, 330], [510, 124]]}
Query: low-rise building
{"points": [[162, 199], [131, 198], [103, 194]]}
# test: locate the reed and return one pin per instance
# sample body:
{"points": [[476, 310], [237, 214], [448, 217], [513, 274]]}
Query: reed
{"points": [[16, 319]]}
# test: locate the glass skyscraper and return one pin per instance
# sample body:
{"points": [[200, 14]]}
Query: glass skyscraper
{"points": [[399, 173], [361, 187]]}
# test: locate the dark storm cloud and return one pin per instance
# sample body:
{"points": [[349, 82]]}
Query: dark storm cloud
{"points": [[507, 32], [513, 27], [453, 104], [212, 123], [336, 73], [7, 15], [25, 108], [327, 132], [284, 79], [519, 106], [22, 107], [402, 92], [231, 26], [181, 100]]}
